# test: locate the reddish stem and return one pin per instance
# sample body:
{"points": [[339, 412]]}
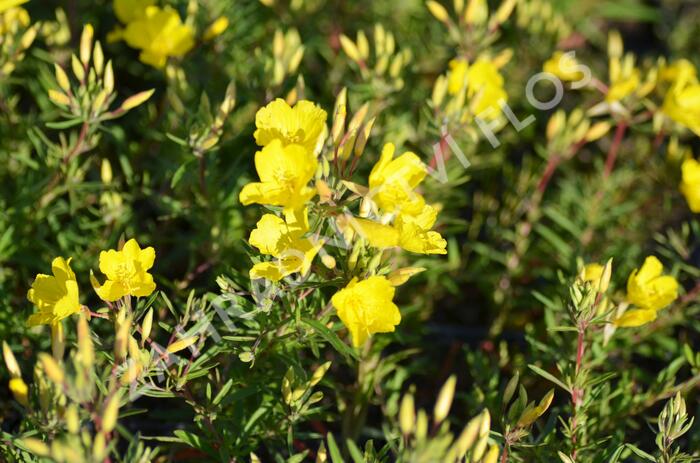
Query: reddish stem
{"points": [[614, 148]]}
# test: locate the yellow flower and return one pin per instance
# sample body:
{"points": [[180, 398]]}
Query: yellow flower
{"points": [[131, 10], [457, 76], [392, 181], [159, 34], [681, 67], [592, 273], [410, 232], [19, 390], [690, 183], [648, 289], [635, 317], [564, 66], [366, 308], [55, 296], [7, 4], [376, 234], [682, 101], [126, 271], [623, 87], [304, 124], [284, 172], [482, 84], [13, 19], [284, 240], [415, 234]]}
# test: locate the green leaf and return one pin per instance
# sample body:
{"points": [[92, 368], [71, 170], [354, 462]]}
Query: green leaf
{"points": [[550, 377], [630, 10], [65, 124], [331, 338], [333, 449], [641, 453], [355, 452]]}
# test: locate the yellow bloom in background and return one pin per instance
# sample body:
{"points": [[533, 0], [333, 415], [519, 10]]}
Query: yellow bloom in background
{"points": [[592, 273], [690, 183], [564, 66], [457, 76], [682, 101], [7, 4], [56, 296], [283, 239], [13, 19], [303, 124], [131, 10], [647, 288], [623, 86], [392, 181], [19, 390], [284, 172], [366, 307], [159, 34], [680, 68], [126, 271], [216, 28]]}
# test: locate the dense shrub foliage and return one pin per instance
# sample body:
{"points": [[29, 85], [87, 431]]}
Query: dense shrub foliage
{"points": [[321, 230]]}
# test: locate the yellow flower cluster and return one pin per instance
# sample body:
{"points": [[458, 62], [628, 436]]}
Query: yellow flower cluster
{"points": [[393, 214], [57, 296], [285, 165], [650, 291], [682, 101], [158, 32], [481, 83], [12, 16], [392, 184]]}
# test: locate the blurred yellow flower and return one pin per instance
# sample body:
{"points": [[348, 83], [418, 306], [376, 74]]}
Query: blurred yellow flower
{"points": [[7, 4], [392, 181], [304, 124], [366, 307], [131, 10], [623, 85], [592, 273], [159, 34], [682, 101], [13, 19], [56, 296], [690, 183], [19, 390], [284, 240], [126, 271], [564, 66], [284, 172], [216, 28], [648, 288], [481, 82], [682, 67], [457, 75]]}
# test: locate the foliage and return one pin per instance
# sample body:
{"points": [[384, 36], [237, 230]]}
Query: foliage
{"points": [[316, 230]]}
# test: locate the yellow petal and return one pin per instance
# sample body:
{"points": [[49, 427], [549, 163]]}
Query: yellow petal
{"points": [[636, 317]]}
